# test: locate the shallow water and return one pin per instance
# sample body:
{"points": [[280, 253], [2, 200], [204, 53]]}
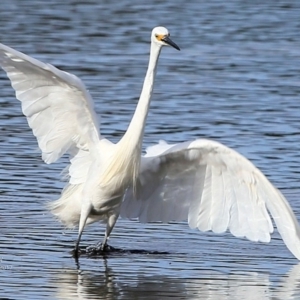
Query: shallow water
{"points": [[236, 80]]}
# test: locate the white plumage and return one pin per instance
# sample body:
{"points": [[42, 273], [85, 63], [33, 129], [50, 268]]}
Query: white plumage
{"points": [[203, 181]]}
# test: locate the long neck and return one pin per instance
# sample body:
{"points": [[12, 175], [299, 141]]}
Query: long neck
{"points": [[136, 127], [126, 160]]}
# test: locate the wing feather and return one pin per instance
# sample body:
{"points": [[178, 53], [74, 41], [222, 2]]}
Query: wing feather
{"points": [[220, 210], [195, 204], [204, 213]]}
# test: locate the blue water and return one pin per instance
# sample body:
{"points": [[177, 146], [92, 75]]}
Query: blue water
{"points": [[236, 80]]}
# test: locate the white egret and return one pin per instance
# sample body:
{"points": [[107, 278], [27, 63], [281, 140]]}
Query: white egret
{"points": [[209, 184]]}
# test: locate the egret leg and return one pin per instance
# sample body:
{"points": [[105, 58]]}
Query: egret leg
{"points": [[102, 246], [85, 211], [109, 227]]}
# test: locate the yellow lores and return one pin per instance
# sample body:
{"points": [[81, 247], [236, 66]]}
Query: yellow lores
{"points": [[160, 36]]}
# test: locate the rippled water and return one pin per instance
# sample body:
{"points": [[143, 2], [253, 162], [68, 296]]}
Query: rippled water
{"points": [[236, 80]]}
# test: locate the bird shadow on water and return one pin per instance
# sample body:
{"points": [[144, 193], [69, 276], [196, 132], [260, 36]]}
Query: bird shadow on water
{"points": [[109, 251], [111, 283]]}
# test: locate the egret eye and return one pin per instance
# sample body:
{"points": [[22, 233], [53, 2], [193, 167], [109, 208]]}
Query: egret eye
{"points": [[156, 35]]}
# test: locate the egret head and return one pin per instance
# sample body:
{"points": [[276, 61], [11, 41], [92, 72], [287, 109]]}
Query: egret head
{"points": [[161, 36]]}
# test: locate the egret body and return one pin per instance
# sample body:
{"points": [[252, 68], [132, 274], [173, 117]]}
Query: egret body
{"points": [[209, 184]]}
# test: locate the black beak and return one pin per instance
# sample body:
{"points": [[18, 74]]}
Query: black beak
{"points": [[168, 41]]}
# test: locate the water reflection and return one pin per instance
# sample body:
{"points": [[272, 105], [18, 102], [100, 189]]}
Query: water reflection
{"points": [[79, 284], [107, 285]]}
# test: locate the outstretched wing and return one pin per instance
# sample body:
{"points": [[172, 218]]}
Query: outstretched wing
{"points": [[57, 105], [215, 188]]}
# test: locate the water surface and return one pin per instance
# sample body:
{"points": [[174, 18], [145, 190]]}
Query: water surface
{"points": [[236, 80]]}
